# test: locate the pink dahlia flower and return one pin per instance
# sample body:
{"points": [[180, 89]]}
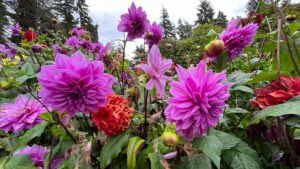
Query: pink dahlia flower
{"points": [[156, 68], [73, 42], [101, 50], [154, 36], [16, 30], [198, 98], [23, 114], [75, 84], [135, 23], [36, 153], [237, 38]]}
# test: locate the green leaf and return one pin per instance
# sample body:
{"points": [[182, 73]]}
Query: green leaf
{"points": [[226, 139], [112, 148], [266, 76], [198, 163], [134, 145], [292, 121], [155, 161], [241, 157], [24, 78], [244, 89], [20, 161], [294, 27], [230, 110], [30, 68], [211, 147], [47, 116], [270, 46], [222, 61], [286, 64], [290, 107], [297, 134], [238, 78]]}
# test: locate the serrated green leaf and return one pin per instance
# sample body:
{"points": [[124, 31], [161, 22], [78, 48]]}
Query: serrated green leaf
{"points": [[198, 163], [241, 157], [226, 139], [230, 110], [266, 76], [47, 116], [244, 89], [20, 161], [211, 146], [290, 107], [134, 145], [294, 27], [112, 148], [297, 134], [29, 68]]}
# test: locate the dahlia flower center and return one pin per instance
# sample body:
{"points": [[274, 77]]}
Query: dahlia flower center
{"points": [[76, 93], [137, 26]]}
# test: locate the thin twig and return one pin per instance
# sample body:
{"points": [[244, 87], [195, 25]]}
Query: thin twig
{"points": [[50, 154], [87, 123], [145, 108], [123, 60], [278, 50]]}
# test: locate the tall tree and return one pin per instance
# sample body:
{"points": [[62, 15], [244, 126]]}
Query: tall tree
{"points": [[205, 13], [184, 29], [44, 16], [166, 24], [26, 14], [221, 19], [3, 22], [139, 55], [65, 9], [253, 6], [85, 20]]}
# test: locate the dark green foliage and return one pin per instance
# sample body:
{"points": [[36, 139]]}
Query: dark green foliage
{"points": [[3, 21], [184, 29], [85, 20], [26, 14], [166, 24], [221, 20], [205, 13], [65, 10]]}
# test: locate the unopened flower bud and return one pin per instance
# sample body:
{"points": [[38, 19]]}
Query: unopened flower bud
{"points": [[169, 138], [214, 48], [54, 21], [5, 85], [134, 91], [291, 18]]}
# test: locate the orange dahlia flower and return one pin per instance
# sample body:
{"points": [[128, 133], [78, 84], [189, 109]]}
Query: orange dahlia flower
{"points": [[115, 117], [277, 92]]}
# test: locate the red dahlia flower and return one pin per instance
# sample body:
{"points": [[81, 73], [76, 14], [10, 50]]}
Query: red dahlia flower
{"points": [[29, 36], [115, 117], [277, 93]]}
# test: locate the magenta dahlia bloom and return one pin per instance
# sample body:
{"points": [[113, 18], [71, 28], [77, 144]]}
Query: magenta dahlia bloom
{"points": [[73, 42], [135, 23], [237, 38], [75, 84], [36, 48], [101, 50], [78, 32], [154, 35], [36, 153], [198, 98], [156, 68], [11, 51], [15, 30], [23, 114]]}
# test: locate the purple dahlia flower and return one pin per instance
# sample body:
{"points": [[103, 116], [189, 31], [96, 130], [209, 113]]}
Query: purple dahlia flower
{"points": [[135, 23], [36, 48], [59, 50], [23, 114], [87, 45], [36, 153], [154, 35], [156, 68], [73, 42], [198, 98], [78, 32], [11, 52], [237, 38], [75, 84], [101, 50], [15, 30]]}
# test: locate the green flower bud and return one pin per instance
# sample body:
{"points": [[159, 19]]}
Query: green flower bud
{"points": [[169, 138], [214, 48], [5, 85]]}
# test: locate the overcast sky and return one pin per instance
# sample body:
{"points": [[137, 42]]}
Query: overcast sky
{"points": [[106, 13]]}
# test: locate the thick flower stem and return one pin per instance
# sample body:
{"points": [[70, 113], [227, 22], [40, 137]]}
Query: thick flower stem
{"points": [[68, 132], [123, 61], [50, 153], [145, 109]]}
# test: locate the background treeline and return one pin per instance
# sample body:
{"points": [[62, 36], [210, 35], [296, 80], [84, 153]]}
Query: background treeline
{"points": [[38, 15], [184, 42]]}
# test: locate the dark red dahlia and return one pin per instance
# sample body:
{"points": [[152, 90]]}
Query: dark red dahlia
{"points": [[277, 92], [115, 117], [29, 36]]}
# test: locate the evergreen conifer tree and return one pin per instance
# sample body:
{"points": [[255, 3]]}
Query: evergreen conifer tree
{"points": [[221, 19], [205, 12], [184, 29], [3, 22], [166, 24]]}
